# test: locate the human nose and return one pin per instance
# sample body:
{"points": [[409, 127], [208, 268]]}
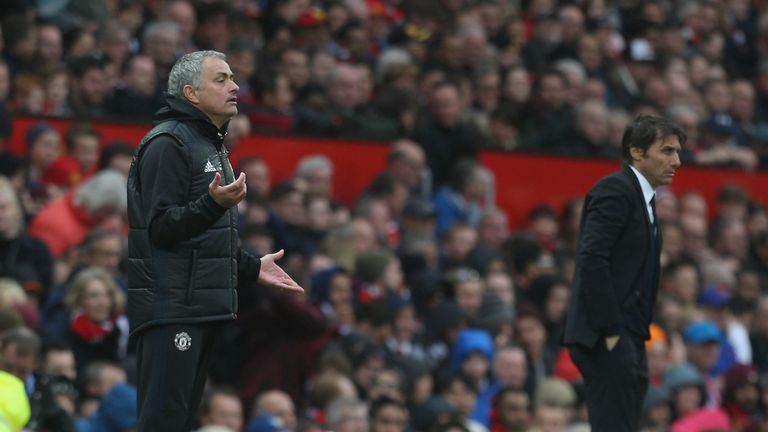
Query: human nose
{"points": [[676, 160]]}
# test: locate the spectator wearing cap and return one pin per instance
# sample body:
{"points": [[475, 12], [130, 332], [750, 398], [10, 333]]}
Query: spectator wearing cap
{"points": [[657, 410], [418, 219], [472, 354], [715, 302], [43, 149], [703, 343], [741, 397], [686, 389], [496, 312]]}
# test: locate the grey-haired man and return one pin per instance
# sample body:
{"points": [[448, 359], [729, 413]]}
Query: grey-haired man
{"points": [[184, 258]]}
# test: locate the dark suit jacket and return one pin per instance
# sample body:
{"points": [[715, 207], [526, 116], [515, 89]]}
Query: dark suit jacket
{"points": [[612, 259]]}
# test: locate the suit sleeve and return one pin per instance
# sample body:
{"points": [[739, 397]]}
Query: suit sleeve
{"points": [[606, 217], [165, 172]]}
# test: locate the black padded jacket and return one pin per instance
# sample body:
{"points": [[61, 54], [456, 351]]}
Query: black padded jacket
{"points": [[184, 259]]}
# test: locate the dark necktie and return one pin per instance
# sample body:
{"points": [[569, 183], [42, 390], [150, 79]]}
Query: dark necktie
{"points": [[655, 223]]}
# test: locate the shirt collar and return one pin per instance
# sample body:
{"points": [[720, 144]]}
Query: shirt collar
{"points": [[645, 185]]}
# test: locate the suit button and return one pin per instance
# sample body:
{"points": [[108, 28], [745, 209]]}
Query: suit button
{"points": [[637, 293]]}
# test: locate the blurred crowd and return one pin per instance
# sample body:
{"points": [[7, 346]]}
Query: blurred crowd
{"points": [[533, 75], [425, 310]]}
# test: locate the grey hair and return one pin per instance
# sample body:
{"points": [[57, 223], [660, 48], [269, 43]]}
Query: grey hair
{"points": [[389, 58], [6, 188], [105, 190], [677, 110], [339, 407], [188, 70], [571, 68], [310, 164], [154, 29]]}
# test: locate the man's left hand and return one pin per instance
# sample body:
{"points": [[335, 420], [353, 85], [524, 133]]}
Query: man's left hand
{"points": [[272, 275]]}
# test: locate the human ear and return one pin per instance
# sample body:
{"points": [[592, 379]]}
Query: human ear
{"points": [[191, 94]]}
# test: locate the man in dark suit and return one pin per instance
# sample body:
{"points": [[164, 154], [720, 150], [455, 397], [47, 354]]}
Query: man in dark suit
{"points": [[617, 274]]}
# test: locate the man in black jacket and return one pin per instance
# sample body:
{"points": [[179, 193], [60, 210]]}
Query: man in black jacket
{"points": [[617, 275], [184, 259]]}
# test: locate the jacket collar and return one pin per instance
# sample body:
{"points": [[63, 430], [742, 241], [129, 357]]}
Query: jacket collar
{"points": [[178, 109]]}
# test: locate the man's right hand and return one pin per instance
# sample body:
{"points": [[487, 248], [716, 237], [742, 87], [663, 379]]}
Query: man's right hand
{"points": [[229, 195], [611, 341]]}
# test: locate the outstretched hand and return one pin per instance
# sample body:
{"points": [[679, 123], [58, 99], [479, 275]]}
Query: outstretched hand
{"points": [[272, 275], [228, 195]]}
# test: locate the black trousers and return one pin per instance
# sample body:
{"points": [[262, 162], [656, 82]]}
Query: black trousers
{"points": [[615, 383], [172, 365]]}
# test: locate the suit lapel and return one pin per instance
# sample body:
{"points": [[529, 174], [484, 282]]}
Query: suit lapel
{"points": [[639, 197]]}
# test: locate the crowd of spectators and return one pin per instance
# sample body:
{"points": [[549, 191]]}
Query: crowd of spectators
{"points": [[425, 310]]}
